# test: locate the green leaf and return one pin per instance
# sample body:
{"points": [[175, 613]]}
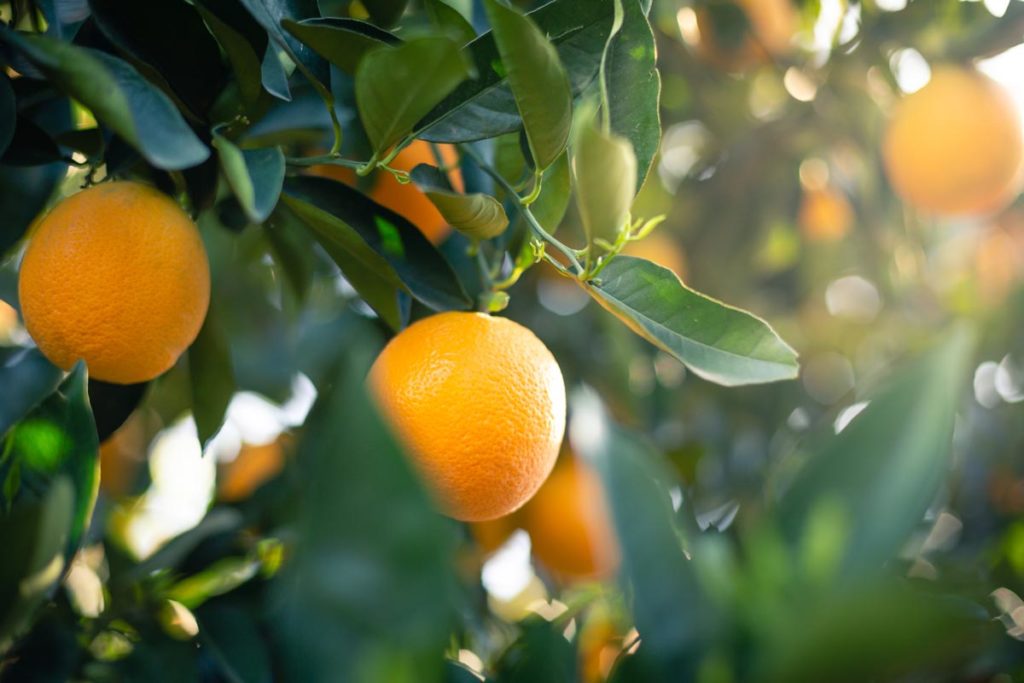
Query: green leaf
{"points": [[232, 635], [553, 202], [342, 42], [450, 20], [396, 86], [717, 342], [8, 112], [269, 14], [366, 270], [254, 175], [484, 107], [386, 12], [605, 170], [112, 404], [24, 192], [212, 376], [540, 654], [120, 98], [35, 378], [634, 87], [35, 535], [369, 579], [538, 80], [245, 61], [884, 469], [476, 215], [292, 251], [420, 268]]}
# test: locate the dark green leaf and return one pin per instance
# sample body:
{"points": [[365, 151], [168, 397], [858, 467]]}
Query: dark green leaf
{"points": [[88, 141], [272, 74], [255, 176], [232, 635], [386, 12], [419, 267], [24, 192], [634, 87], [242, 55], [292, 250], [538, 81], [450, 20], [212, 376], [369, 589], [483, 107], [118, 96], [880, 474], [717, 342], [342, 42], [475, 215], [31, 145], [8, 110], [112, 404], [34, 376], [605, 169], [270, 13], [396, 86]]}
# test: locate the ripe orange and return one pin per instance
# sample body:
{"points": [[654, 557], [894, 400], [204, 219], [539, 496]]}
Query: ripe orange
{"points": [[569, 524], [825, 215], [659, 247], [955, 146], [479, 402], [254, 466], [115, 275]]}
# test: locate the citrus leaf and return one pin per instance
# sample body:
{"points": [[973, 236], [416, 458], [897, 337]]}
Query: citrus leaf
{"points": [[476, 215], [450, 21], [242, 55], [396, 86], [212, 377], [120, 98], [34, 376], [342, 42], [538, 81], [386, 12], [24, 192], [883, 470], [112, 404], [254, 175], [605, 170], [420, 268], [269, 14], [717, 342]]}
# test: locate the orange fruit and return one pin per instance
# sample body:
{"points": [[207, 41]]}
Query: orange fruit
{"points": [[115, 275], [254, 466], [955, 146], [479, 403], [570, 525], [660, 248], [825, 215], [741, 34]]}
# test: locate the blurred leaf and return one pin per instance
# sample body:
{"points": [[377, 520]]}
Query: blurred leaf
{"points": [[477, 215], [212, 377], [538, 81], [242, 55], [540, 654], [8, 112], [634, 87], [272, 74], [885, 468], [232, 635], [153, 32], [269, 14], [369, 580], [112, 404], [419, 266], [386, 12], [457, 673], [34, 376], [396, 86], [551, 205], [292, 250], [605, 170], [223, 576], [719, 343], [255, 176], [483, 107], [342, 42], [672, 613], [24, 192], [63, 16], [450, 21], [118, 96], [35, 535], [220, 520]]}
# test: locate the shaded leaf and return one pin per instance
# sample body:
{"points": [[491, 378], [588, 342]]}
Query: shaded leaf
{"points": [[8, 111], [605, 170], [231, 634], [450, 21], [342, 42], [24, 192], [386, 12], [31, 145], [540, 654], [212, 377], [254, 175], [475, 215], [35, 377], [112, 404], [269, 14], [538, 81], [243, 56], [717, 342]]}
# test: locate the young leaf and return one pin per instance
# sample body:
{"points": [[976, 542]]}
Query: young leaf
{"points": [[342, 42], [884, 469], [396, 86], [717, 342], [605, 170], [35, 378], [255, 176], [538, 80], [212, 377], [119, 97], [634, 86], [475, 215]]}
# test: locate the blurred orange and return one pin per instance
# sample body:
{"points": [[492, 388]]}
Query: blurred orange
{"points": [[8, 321], [659, 247], [600, 644], [722, 38], [999, 262], [492, 534], [825, 215], [253, 467], [407, 200], [569, 523], [122, 456]]}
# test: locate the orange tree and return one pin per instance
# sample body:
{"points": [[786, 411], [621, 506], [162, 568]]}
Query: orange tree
{"points": [[436, 218]]}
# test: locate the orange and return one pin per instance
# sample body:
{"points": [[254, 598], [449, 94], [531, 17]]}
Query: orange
{"points": [[479, 403], [825, 215], [115, 275], [570, 525], [741, 34], [660, 248], [955, 147], [253, 467]]}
